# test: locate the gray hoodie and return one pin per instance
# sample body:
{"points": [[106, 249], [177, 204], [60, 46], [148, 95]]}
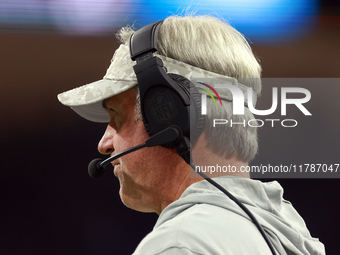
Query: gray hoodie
{"points": [[205, 221]]}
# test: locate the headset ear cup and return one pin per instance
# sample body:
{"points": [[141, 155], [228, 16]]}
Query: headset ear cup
{"points": [[196, 117]]}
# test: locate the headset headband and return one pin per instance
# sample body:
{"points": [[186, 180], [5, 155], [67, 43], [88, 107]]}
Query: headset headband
{"points": [[147, 40]]}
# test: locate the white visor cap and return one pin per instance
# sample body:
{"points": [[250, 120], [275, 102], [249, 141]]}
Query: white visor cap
{"points": [[87, 100]]}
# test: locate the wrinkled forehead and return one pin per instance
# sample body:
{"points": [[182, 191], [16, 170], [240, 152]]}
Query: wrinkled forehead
{"points": [[129, 96]]}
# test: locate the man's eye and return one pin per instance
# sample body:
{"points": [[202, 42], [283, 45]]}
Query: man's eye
{"points": [[112, 111]]}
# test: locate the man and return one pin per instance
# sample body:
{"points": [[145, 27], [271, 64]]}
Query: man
{"points": [[195, 217]]}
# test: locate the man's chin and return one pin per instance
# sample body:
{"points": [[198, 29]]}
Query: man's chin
{"points": [[134, 204]]}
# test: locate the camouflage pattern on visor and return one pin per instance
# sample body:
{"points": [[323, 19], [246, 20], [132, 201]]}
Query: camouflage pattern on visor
{"points": [[87, 100]]}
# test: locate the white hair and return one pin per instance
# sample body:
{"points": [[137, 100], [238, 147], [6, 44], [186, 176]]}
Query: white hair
{"points": [[213, 45]]}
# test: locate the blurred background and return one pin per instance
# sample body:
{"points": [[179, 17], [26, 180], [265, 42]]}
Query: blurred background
{"points": [[49, 205]]}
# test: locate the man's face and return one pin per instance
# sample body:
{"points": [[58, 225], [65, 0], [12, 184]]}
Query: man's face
{"points": [[145, 175]]}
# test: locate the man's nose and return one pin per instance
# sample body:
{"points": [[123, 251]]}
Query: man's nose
{"points": [[105, 145]]}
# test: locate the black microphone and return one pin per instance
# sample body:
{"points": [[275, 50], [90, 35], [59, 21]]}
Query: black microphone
{"points": [[96, 168]]}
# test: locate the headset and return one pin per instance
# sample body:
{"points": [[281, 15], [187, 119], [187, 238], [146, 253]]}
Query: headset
{"points": [[176, 95], [166, 98], [170, 107]]}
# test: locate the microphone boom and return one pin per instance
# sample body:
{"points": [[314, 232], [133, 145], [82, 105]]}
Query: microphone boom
{"points": [[96, 168]]}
